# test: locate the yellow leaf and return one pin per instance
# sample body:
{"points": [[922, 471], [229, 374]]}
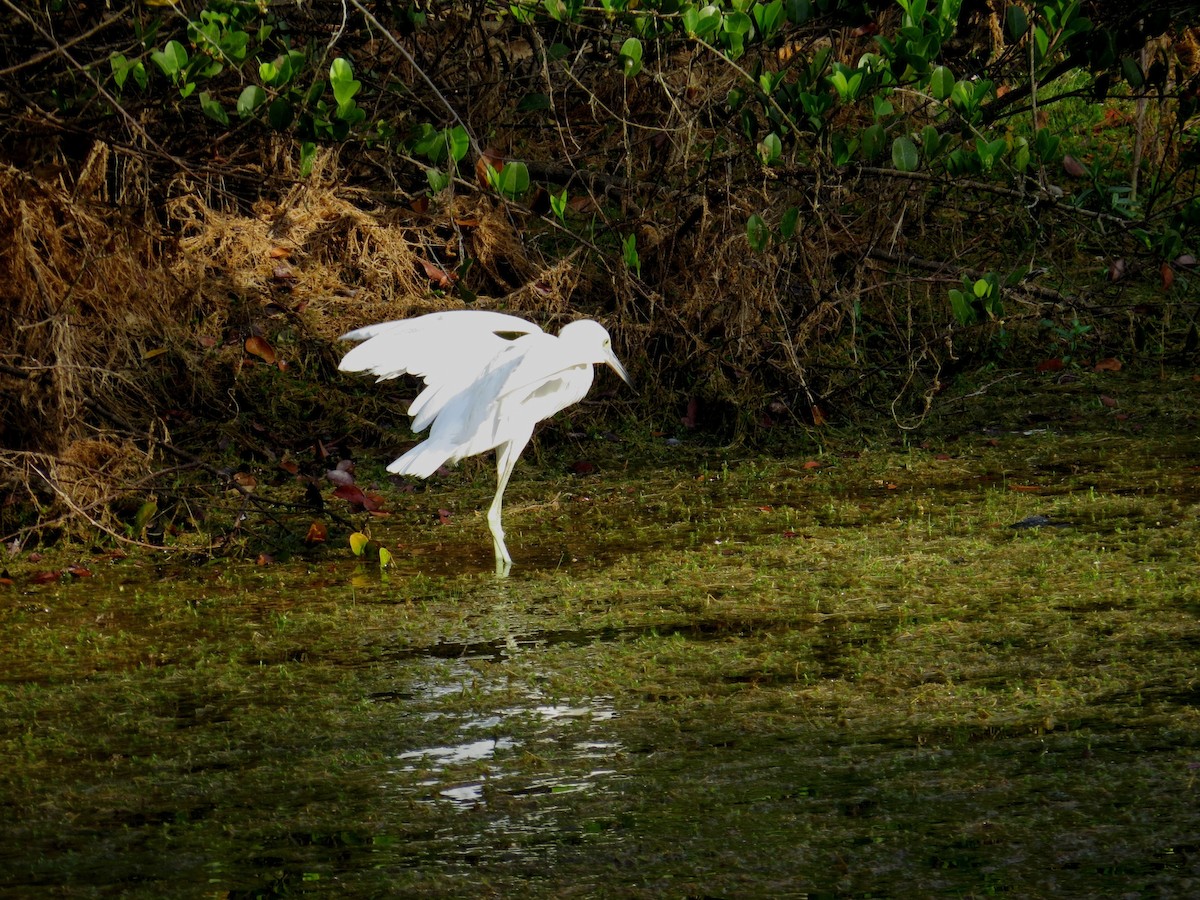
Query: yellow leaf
{"points": [[358, 543]]}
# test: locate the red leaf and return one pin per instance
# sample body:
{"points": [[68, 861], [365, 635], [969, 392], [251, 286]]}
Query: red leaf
{"points": [[264, 559], [1025, 488], [583, 467], [45, 577], [1108, 401], [317, 533], [1108, 365], [812, 464], [443, 516], [1168, 276], [79, 571], [1049, 365], [350, 493]]}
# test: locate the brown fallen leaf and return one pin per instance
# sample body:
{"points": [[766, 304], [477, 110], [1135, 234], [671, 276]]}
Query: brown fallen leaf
{"points": [[1108, 401], [1049, 365], [318, 533], [1111, 364], [438, 275], [260, 347], [1025, 488], [245, 480]]}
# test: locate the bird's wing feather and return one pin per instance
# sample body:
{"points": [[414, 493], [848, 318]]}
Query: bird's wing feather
{"points": [[439, 347], [550, 359]]}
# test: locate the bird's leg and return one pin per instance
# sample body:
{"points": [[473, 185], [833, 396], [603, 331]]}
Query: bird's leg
{"points": [[506, 458]]}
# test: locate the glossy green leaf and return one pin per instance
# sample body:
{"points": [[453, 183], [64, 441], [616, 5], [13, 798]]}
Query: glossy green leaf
{"points": [[251, 98], [631, 57]]}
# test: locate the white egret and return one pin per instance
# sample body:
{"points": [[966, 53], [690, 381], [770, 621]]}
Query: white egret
{"points": [[483, 390]]}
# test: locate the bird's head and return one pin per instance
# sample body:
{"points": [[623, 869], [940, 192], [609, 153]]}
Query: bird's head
{"points": [[590, 340]]}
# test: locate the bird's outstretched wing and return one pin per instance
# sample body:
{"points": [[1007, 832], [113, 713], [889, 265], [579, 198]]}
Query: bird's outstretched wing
{"points": [[439, 347]]}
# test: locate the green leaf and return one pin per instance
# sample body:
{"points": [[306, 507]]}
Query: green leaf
{"points": [[941, 83], [280, 113], [171, 59], [630, 255], [513, 180], [1015, 22], [631, 57], [251, 98], [962, 307], [213, 108], [757, 233], [358, 543], [308, 155], [701, 22], [799, 11], [437, 179], [787, 225], [768, 16], [385, 557], [737, 22], [341, 77], [1132, 72], [558, 205], [770, 149], [904, 154], [459, 142], [871, 142], [931, 142], [430, 143]]}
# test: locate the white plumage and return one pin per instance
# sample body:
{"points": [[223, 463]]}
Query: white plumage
{"points": [[483, 390]]}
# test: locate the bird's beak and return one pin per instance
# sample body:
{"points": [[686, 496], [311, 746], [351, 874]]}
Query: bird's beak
{"points": [[618, 368]]}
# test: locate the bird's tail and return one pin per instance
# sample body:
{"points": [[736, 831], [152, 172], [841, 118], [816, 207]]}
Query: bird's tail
{"points": [[422, 460]]}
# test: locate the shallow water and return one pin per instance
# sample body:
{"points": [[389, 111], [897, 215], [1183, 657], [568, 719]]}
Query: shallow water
{"points": [[742, 680]]}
